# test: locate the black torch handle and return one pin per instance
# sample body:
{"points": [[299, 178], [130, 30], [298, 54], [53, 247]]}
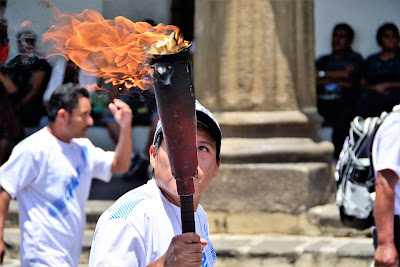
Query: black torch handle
{"points": [[187, 214]]}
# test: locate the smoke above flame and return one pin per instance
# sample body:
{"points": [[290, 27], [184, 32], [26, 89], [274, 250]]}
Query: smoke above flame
{"points": [[116, 50]]}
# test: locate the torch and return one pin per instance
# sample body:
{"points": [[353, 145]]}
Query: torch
{"points": [[175, 97]]}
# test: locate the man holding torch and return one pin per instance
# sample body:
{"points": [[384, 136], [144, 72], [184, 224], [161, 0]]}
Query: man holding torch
{"points": [[144, 228]]}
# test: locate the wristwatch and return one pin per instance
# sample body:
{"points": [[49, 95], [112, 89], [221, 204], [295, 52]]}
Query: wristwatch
{"points": [[321, 74]]}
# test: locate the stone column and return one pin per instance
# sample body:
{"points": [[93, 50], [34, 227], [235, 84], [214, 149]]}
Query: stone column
{"points": [[254, 55], [254, 67]]}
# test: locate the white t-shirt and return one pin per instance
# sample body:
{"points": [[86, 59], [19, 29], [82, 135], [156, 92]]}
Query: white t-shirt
{"points": [[386, 150], [138, 228], [51, 180]]}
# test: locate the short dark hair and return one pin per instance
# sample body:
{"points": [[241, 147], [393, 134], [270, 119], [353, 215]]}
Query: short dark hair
{"points": [[347, 28], [385, 27], [65, 97], [200, 124]]}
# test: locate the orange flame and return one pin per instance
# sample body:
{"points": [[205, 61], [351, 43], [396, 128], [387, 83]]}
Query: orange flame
{"points": [[25, 23], [116, 50]]}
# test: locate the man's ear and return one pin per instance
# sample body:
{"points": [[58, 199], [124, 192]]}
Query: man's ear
{"points": [[217, 168], [153, 155], [62, 116]]}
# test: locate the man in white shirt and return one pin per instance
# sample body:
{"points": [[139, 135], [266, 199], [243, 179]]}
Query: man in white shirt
{"points": [[386, 162], [50, 174], [143, 228]]}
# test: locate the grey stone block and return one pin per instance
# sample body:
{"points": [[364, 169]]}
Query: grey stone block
{"points": [[273, 150], [264, 124], [288, 188]]}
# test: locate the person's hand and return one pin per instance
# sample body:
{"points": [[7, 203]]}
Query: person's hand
{"points": [[122, 113], [185, 250], [350, 70], [11, 89], [382, 88], [2, 251], [8, 84], [386, 255]]}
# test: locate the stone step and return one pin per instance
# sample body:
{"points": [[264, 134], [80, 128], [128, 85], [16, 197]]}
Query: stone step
{"points": [[274, 149], [323, 220], [256, 250], [264, 124], [327, 219], [285, 250]]}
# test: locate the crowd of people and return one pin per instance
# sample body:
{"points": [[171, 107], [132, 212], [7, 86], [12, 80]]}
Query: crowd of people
{"points": [[348, 85]]}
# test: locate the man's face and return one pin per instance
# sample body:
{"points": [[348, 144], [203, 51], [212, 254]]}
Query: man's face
{"points": [[340, 41], [26, 45], [80, 119], [207, 166], [389, 40]]}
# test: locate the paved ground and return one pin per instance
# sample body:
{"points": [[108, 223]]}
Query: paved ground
{"points": [[270, 250]]}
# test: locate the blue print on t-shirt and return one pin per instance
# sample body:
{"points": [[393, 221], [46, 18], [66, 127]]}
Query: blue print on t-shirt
{"points": [[204, 263], [205, 228], [209, 255], [69, 190], [84, 154], [57, 207], [60, 205]]}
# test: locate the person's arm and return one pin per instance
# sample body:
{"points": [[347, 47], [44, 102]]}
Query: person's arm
{"points": [[337, 76], [56, 78], [380, 88], [4, 203], [185, 250], [8, 84], [123, 150], [37, 80], [386, 254], [347, 73], [386, 87]]}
